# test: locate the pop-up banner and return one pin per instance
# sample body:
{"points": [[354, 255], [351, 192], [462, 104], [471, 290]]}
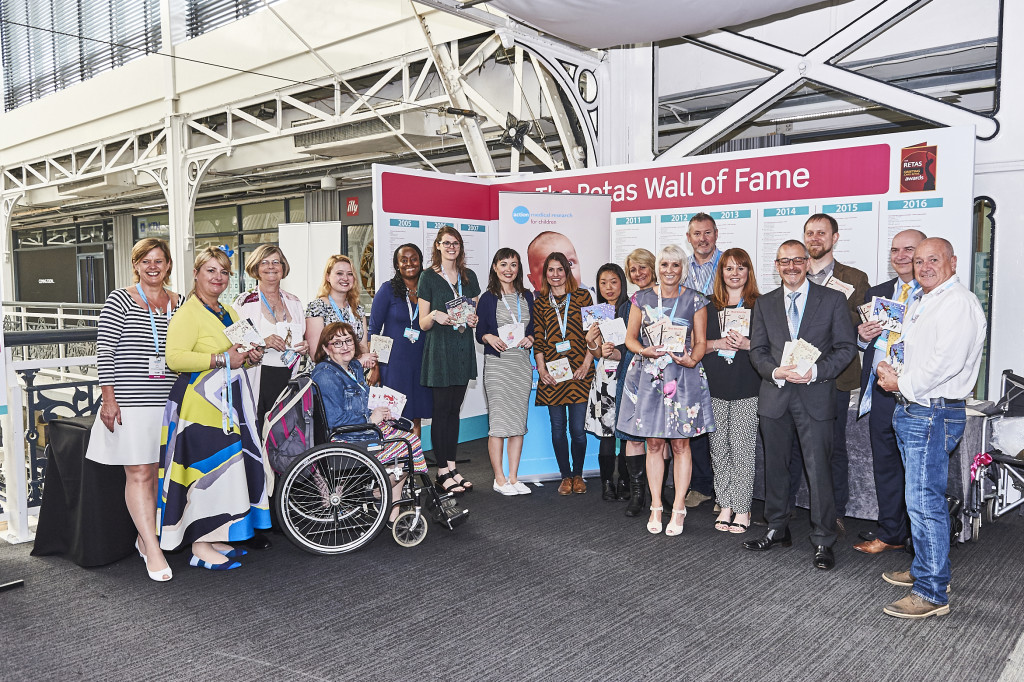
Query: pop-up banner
{"points": [[874, 187]]}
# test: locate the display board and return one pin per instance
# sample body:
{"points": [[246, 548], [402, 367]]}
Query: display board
{"points": [[874, 187]]}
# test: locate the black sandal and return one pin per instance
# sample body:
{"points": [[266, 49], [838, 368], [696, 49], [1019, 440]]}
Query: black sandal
{"points": [[456, 487], [465, 483]]}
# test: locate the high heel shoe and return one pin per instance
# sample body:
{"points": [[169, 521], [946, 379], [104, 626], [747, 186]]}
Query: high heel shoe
{"points": [[654, 527], [672, 529], [158, 576]]}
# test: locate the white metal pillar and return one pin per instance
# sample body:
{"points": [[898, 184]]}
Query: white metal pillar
{"points": [[627, 106]]}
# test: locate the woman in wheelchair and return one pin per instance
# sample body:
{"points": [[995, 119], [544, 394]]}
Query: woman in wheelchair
{"points": [[344, 393]]}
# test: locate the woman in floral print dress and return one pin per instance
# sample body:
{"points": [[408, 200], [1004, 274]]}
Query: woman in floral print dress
{"points": [[665, 395]]}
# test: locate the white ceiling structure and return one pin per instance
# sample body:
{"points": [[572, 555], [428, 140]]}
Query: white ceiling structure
{"points": [[608, 23]]}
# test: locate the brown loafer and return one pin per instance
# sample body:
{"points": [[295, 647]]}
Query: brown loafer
{"points": [[875, 546], [565, 487], [579, 486]]}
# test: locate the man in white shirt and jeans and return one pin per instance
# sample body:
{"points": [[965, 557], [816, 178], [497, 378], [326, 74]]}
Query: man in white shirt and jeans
{"points": [[943, 336]]}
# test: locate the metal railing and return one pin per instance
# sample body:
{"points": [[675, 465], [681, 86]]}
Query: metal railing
{"points": [[21, 316]]}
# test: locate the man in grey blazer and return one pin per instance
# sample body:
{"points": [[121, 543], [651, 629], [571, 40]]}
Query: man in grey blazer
{"points": [[802, 404]]}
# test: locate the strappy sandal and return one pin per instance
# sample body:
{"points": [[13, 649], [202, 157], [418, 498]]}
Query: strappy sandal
{"points": [[465, 483], [723, 525], [654, 527], [672, 529], [738, 527], [455, 487]]}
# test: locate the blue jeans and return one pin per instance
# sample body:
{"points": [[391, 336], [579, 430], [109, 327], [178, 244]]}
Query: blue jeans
{"points": [[577, 432], [927, 436]]}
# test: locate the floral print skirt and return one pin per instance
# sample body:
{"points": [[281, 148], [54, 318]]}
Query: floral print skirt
{"points": [[661, 399]]}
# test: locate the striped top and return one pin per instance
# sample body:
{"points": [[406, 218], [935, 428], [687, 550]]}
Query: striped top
{"points": [[547, 333], [124, 345]]}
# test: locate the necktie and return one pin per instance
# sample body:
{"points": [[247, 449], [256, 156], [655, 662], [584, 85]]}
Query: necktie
{"points": [[794, 316], [891, 339]]}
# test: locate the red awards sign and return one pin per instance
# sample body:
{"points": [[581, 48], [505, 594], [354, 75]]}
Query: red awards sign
{"points": [[352, 206], [918, 168]]}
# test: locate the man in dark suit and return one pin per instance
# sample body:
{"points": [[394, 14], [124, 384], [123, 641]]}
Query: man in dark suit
{"points": [[821, 234], [802, 403], [893, 523]]}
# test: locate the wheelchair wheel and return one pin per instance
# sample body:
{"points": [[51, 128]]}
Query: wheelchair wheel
{"points": [[990, 510], [333, 499], [408, 529]]}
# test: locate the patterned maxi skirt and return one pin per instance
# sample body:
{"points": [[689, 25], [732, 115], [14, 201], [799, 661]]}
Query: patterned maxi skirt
{"points": [[212, 483]]}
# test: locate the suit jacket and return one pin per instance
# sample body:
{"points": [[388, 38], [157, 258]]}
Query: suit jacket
{"points": [[825, 324], [848, 379], [884, 290]]}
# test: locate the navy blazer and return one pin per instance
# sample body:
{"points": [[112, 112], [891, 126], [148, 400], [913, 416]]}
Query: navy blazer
{"points": [[487, 318], [883, 290], [826, 324]]}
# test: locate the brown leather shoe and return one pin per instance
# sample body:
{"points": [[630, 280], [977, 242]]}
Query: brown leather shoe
{"points": [[913, 606], [565, 487], [875, 546], [579, 486]]}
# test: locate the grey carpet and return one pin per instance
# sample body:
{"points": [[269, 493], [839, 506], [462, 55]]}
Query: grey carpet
{"points": [[537, 587]]}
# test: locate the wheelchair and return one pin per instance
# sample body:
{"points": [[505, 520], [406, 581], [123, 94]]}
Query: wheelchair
{"points": [[336, 497], [998, 485]]}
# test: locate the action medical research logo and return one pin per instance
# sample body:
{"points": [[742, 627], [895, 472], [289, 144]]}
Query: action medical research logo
{"points": [[520, 214], [918, 168]]}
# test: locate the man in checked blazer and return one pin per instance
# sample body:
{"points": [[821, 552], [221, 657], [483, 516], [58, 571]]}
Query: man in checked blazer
{"points": [[790, 403]]}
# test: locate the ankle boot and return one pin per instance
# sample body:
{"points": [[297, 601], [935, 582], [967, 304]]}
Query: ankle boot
{"points": [[637, 489], [607, 490]]}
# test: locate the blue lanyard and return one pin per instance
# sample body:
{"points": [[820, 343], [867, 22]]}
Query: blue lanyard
{"points": [[519, 310], [352, 376], [458, 281], [711, 272], [152, 320], [563, 322], [272, 313], [672, 315], [337, 311], [226, 421]]}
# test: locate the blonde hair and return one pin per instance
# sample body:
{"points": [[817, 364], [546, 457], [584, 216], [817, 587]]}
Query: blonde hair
{"points": [[144, 246], [252, 263], [325, 288], [674, 252], [642, 257], [210, 252]]}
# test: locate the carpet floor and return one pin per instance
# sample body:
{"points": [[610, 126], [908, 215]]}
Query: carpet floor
{"points": [[531, 587]]}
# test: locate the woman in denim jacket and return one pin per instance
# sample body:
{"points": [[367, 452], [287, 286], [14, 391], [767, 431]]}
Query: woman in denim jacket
{"points": [[344, 393]]}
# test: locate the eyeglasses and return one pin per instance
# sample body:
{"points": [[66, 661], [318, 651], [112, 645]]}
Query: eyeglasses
{"points": [[449, 245], [795, 261], [341, 343], [275, 263]]}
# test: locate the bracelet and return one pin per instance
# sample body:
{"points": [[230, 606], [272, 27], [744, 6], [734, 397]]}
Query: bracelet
{"points": [[589, 347]]}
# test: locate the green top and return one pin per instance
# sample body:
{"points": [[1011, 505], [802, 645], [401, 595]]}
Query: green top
{"points": [[449, 356]]}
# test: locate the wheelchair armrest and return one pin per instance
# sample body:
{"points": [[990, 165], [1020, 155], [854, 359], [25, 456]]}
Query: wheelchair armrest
{"points": [[353, 428], [402, 424]]}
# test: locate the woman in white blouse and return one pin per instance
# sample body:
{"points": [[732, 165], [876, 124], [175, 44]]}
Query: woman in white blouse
{"points": [[338, 301]]}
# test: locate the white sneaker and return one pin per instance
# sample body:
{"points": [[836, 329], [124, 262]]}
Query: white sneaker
{"points": [[506, 489], [521, 488]]}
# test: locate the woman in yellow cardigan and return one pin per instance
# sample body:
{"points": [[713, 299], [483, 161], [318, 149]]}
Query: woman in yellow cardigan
{"points": [[211, 467]]}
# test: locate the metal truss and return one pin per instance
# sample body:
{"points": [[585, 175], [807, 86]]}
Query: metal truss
{"points": [[819, 66]]}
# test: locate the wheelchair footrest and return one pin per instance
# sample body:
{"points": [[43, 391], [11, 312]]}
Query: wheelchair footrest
{"points": [[444, 509]]}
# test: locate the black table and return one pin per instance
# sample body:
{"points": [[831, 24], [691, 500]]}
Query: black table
{"points": [[83, 515]]}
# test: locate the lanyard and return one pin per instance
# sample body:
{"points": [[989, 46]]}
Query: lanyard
{"points": [[227, 412], [342, 317], [152, 320], [408, 301], [925, 300], [351, 376], [706, 279], [518, 317], [458, 281], [672, 316], [563, 322], [272, 313]]}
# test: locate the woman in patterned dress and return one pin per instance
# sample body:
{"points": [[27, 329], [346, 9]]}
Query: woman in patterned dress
{"points": [[666, 398], [508, 372], [338, 301], [558, 335], [130, 342], [734, 385], [213, 489]]}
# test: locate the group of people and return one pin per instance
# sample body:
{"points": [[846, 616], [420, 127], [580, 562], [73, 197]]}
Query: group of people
{"points": [[698, 376]]}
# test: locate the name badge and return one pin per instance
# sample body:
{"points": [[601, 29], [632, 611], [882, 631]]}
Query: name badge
{"points": [[611, 365], [157, 367], [563, 346], [412, 334]]}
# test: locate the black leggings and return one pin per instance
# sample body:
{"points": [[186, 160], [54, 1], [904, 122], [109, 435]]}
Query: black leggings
{"points": [[444, 425], [606, 458]]}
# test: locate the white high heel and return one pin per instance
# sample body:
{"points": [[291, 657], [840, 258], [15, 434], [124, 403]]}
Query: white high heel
{"points": [[161, 576], [672, 529], [654, 527]]}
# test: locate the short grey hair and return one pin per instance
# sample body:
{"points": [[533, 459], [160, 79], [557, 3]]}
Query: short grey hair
{"points": [[675, 253]]}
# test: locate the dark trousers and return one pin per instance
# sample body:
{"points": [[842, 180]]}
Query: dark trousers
{"points": [[272, 382], [444, 425], [893, 522], [840, 459], [606, 459], [577, 417], [815, 438], [702, 477]]}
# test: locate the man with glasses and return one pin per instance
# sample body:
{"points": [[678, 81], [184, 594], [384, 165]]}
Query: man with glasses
{"points": [[802, 403]]}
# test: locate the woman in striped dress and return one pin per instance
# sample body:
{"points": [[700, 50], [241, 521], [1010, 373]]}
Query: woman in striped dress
{"points": [[558, 336], [130, 343], [508, 371]]}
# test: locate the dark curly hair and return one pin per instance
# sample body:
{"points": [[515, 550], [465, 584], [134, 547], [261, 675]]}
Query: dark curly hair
{"points": [[398, 285]]}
